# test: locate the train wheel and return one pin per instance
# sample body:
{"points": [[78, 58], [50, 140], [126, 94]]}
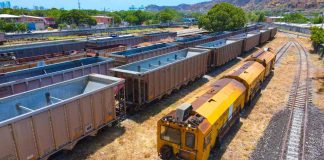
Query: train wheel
{"points": [[166, 152]]}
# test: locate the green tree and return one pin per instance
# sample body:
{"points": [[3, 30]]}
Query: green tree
{"points": [[295, 18], [317, 37], [167, 15], [116, 17], [76, 17], [223, 16], [131, 19], [22, 27]]}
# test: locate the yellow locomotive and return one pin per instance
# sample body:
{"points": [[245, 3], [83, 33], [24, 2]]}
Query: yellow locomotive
{"points": [[195, 127]]}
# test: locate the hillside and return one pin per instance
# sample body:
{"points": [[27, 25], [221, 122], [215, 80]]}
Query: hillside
{"points": [[246, 4]]}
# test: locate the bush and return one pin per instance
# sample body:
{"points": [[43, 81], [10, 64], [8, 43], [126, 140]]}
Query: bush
{"points": [[317, 37]]}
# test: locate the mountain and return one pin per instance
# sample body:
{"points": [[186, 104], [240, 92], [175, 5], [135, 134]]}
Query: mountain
{"points": [[246, 4]]}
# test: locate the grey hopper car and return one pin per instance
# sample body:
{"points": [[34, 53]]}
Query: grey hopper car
{"points": [[250, 40], [265, 35], [38, 123], [274, 31], [151, 79], [222, 51], [137, 54], [28, 79], [43, 48]]}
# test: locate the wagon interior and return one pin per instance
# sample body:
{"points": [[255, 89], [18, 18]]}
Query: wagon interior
{"points": [[189, 39], [142, 49], [17, 105], [159, 61], [32, 72], [217, 44]]}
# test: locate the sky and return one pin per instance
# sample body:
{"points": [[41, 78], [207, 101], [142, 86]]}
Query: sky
{"points": [[97, 4]]}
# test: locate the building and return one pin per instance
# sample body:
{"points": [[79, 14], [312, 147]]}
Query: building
{"points": [[133, 8], [272, 19], [103, 19], [5, 4], [10, 18]]}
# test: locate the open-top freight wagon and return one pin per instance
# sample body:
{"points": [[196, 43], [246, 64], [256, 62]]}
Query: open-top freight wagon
{"points": [[15, 67], [137, 54], [28, 79], [128, 40], [2, 38], [151, 79], [191, 41], [274, 31], [41, 122], [222, 51], [43, 48], [265, 35], [250, 40], [156, 36]]}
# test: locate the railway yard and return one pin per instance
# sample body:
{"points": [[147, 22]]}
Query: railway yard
{"points": [[88, 113]]}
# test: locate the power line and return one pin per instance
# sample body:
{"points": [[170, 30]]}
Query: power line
{"points": [[79, 4]]}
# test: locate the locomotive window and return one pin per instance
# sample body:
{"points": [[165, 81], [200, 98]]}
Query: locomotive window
{"points": [[207, 140], [190, 140], [170, 134]]}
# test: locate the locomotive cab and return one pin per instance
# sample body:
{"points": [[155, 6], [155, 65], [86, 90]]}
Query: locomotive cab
{"points": [[179, 132]]}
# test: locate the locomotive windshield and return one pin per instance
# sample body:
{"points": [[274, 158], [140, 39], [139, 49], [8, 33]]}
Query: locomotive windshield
{"points": [[170, 134]]}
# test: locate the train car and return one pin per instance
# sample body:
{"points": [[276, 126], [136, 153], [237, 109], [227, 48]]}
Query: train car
{"points": [[28, 79], [222, 51], [156, 36], [137, 54], [202, 122], [195, 127], [220, 35], [265, 35], [20, 66], [41, 122], [192, 41], [43, 48], [2, 38], [250, 40], [273, 31], [153, 78], [128, 40], [251, 74], [267, 59], [106, 50]]}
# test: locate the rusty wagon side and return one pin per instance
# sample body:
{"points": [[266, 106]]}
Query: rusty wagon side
{"points": [[28, 79], [151, 79], [222, 51], [141, 53], [38, 123]]}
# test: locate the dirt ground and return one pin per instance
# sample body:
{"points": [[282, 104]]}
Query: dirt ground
{"points": [[136, 137]]}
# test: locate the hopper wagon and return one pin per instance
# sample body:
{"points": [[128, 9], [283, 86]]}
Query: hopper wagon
{"points": [[41, 122], [265, 35], [128, 40], [156, 36], [28, 79], [2, 38], [153, 78], [137, 54], [250, 40], [43, 48], [222, 51], [274, 31], [104, 51], [20, 66], [191, 41]]}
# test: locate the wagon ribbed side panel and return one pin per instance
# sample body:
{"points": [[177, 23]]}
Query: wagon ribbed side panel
{"points": [[35, 130], [33, 82], [251, 42], [265, 36]]}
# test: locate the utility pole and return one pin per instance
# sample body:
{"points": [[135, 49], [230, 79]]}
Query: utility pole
{"points": [[79, 4]]}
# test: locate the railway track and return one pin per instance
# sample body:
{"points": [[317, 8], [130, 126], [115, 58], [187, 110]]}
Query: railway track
{"points": [[293, 144], [282, 51]]}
